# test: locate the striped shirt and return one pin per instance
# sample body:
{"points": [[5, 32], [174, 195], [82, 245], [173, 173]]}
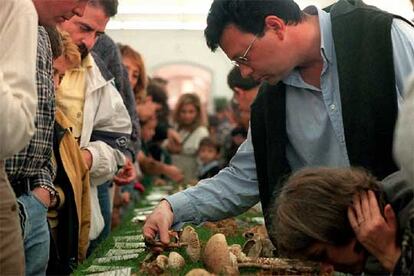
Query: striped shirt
{"points": [[34, 162]]}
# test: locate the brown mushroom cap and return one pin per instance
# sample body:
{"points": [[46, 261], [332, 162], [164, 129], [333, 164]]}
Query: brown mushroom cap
{"points": [[237, 251], [216, 254], [198, 272], [253, 247], [256, 230], [190, 236]]}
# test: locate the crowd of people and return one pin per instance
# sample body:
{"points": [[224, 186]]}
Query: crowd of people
{"points": [[318, 131], [87, 132]]}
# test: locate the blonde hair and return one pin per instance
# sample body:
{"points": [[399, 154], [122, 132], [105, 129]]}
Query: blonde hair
{"points": [[70, 51], [185, 99], [141, 86]]}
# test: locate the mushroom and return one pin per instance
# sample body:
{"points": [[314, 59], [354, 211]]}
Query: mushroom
{"points": [[253, 247], [258, 246], [237, 251], [256, 230], [268, 249], [216, 254], [283, 266], [190, 237], [150, 268], [175, 261], [162, 262], [225, 226], [219, 258], [198, 272]]}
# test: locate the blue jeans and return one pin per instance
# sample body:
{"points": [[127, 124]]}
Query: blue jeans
{"points": [[36, 238], [105, 204]]}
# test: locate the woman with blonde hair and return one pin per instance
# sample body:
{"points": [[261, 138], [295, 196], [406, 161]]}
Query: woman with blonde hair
{"points": [[69, 58], [70, 221], [189, 124], [135, 66]]}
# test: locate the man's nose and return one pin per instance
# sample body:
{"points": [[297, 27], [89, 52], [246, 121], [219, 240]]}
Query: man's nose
{"points": [[245, 70], [89, 41]]}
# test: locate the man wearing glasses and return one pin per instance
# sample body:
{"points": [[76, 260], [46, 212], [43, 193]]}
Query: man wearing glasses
{"points": [[333, 80]]}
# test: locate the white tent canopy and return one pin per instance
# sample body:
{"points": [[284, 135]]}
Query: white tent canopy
{"points": [[191, 14]]}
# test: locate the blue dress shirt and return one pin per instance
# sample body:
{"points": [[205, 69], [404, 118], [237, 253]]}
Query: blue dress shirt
{"points": [[314, 128]]}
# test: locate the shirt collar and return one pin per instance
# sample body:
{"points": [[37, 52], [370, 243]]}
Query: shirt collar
{"points": [[327, 50], [326, 34]]}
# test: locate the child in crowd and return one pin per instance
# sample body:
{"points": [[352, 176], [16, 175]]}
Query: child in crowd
{"points": [[149, 165], [188, 119], [208, 155]]}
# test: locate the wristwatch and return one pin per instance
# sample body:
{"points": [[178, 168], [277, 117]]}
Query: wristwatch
{"points": [[52, 193]]}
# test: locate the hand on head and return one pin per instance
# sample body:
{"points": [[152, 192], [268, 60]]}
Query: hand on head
{"points": [[377, 233]]}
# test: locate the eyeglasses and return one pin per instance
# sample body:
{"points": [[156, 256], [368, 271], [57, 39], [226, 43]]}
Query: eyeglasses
{"points": [[243, 59]]}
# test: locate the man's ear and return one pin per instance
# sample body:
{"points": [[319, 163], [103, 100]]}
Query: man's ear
{"points": [[275, 24]]}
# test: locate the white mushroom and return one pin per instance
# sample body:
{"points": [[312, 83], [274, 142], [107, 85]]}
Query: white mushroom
{"points": [[175, 261], [162, 261], [237, 251], [198, 272]]}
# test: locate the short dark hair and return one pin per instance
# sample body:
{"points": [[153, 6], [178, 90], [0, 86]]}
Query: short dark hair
{"points": [[235, 79], [312, 207], [247, 15], [159, 95], [208, 142], [56, 42], [110, 7]]}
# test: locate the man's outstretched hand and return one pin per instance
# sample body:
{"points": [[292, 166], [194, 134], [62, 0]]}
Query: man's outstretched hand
{"points": [[159, 221]]}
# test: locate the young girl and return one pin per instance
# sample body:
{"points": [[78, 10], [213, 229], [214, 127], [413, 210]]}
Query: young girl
{"points": [[188, 119]]}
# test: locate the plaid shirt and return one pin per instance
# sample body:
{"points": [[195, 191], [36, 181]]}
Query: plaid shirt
{"points": [[34, 162]]}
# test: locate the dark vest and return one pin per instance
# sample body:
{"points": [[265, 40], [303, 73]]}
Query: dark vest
{"points": [[363, 48]]}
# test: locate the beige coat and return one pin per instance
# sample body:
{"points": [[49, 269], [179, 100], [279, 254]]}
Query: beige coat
{"points": [[78, 175]]}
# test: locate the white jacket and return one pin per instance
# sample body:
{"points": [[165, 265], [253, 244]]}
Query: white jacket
{"points": [[18, 94], [404, 134], [104, 111]]}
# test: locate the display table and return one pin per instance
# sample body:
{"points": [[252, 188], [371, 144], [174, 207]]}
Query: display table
{"points": [[124, 251]]}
